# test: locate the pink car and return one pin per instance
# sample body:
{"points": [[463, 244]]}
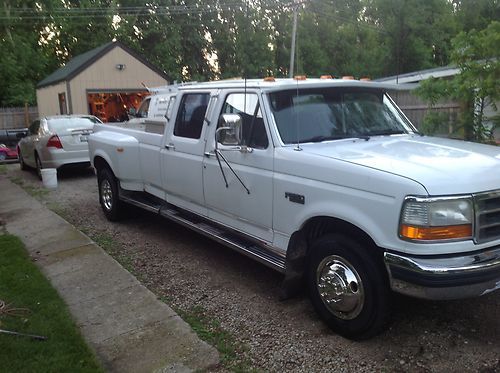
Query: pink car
{"points": [[7, 153]]}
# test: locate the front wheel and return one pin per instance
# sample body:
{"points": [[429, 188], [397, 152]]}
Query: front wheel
{"points": [[3, 156], [348, 286], [108, 195]]}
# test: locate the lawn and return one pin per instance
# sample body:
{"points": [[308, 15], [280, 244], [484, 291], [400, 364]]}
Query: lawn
{"points": [[29, 304]]}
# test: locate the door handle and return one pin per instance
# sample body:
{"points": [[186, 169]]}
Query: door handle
{"points": [[170, 146], [209, 154]]}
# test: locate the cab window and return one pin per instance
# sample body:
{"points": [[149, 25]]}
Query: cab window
{"points": [[143, 109], [247, 107], [191, 115]]}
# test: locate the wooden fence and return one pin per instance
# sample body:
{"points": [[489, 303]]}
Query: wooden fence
{"points": [[416, 110], [17, 117]]}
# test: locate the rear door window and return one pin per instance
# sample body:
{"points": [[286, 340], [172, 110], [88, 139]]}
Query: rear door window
{"points": [[191, 115]]}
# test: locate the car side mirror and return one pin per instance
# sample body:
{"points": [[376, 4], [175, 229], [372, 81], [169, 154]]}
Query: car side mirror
{"points": [[132, 112], [230, 132]]}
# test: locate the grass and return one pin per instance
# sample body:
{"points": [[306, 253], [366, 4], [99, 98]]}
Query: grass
{"points": [[32, 190], [211, 332], [3, 169], [23, 286], [17, 180]]}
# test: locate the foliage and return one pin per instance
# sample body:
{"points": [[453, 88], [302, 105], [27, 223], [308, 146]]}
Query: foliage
{"points": [[476, 86], [201, 40], [22, 286]]}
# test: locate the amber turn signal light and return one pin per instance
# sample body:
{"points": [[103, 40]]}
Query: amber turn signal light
{"points": [[436, 233]]}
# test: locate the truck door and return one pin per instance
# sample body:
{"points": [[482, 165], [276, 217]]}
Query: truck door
{"points": [[238, 177], [182, 156]]}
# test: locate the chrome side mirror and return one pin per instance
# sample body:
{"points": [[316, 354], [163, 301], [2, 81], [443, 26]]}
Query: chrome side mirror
{"points": [[230, 132]]}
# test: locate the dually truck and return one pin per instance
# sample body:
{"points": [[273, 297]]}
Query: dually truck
{"points": [[324, 180]]}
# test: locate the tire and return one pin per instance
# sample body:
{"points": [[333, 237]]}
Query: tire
{"points": [[22, 165], [39, 166], [3, 156], [111, 205], [348, 287]]}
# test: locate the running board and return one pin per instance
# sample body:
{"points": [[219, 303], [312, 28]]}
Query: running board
{"points": [[214, 231]]}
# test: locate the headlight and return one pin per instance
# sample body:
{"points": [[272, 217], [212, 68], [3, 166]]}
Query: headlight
{"points": [[429, 219]]}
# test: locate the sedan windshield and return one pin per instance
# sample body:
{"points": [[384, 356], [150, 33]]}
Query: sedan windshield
{"points": [[321, 114]]}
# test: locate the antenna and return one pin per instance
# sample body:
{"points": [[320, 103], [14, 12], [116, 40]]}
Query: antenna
{"points": [[294, 33]]}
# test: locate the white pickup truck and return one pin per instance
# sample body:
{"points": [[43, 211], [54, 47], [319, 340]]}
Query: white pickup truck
{"points": [[324, 180]]}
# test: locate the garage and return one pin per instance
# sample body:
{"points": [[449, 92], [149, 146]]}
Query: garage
{"points": [[106, 82]]}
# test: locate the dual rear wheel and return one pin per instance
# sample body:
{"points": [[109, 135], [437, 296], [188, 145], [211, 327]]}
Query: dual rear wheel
{"points": [[109, 194]]}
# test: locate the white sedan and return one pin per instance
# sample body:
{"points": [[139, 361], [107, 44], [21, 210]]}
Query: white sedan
{"points": [[57, 141]]}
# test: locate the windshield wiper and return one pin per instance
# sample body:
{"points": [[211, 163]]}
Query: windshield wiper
{"points": [[326, 138], [321, 138], [386, 133]]}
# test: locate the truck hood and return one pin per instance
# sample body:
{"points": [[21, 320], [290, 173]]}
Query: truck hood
{"points": [[441, 166]]}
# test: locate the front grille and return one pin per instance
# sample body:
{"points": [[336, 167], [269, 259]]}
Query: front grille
{"points": [[487, 207]]}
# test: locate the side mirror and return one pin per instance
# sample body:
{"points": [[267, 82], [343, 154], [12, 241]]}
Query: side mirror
{"points": [[132, 112], [230, 132]]}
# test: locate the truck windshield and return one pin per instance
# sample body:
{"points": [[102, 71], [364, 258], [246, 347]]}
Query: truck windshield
{"points": [[320, 114]]}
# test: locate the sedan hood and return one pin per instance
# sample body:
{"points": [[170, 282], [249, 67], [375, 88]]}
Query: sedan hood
{"points": [[441, 166]]}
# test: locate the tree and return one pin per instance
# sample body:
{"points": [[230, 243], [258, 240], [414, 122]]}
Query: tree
{"points": [[415, 35], [476, 86], [24, 60]]}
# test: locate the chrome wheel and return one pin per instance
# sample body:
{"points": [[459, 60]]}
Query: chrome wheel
{"points": [[340, 287], [107, 194]]}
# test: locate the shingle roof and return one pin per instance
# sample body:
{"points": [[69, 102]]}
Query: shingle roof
{"points": [[417, 76], [84, 60]]}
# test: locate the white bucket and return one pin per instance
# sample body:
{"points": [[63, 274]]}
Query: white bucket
{"points": [[49, 178]]}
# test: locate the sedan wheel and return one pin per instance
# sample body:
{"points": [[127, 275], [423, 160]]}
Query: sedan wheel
{"points": [[38, 166], [22, 165], [3, 156]]}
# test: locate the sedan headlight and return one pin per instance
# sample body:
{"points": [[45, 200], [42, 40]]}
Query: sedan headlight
{"points": [[430, 219]]}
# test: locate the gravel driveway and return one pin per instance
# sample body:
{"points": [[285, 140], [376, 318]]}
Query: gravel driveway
{"points": [[190, 272]]}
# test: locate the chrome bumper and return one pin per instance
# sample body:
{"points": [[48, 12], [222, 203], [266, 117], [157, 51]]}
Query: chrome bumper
{"points": [[445, 277]]}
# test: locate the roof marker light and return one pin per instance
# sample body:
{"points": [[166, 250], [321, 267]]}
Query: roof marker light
{"points": [[365, 79], [326, 77], [269, 79], [300, 77], [348, 77]]}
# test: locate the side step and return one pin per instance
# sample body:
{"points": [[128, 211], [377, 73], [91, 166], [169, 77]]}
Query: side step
{"points": [[225, 236]]}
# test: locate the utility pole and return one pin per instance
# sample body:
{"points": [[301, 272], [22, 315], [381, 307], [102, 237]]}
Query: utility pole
{"points": [[294, 32]]}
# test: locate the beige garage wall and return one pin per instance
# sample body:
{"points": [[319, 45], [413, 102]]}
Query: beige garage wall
{"points": [[104, 75], [47, 99]]}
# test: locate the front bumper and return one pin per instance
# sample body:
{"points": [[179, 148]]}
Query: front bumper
{"points": [[445, 277]]}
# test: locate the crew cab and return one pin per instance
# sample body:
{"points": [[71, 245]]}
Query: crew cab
{"points": [[323, 180]]}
